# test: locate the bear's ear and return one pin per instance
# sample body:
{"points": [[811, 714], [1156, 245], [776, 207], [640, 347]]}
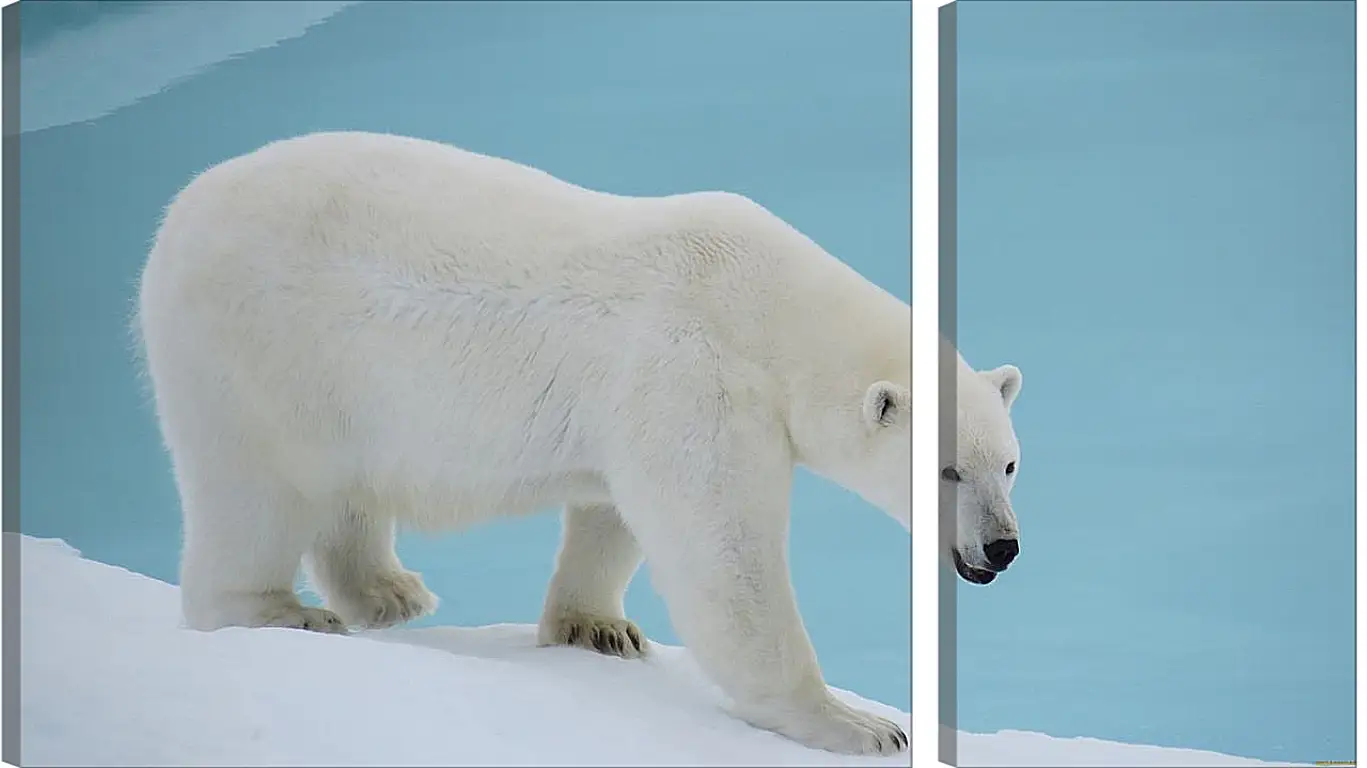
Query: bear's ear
{"points": [[885, 403], [1007, 381]]}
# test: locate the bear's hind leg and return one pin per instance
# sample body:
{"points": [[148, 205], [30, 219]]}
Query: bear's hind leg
{"points": [[597, 558], [244, 538], [354, 567]]}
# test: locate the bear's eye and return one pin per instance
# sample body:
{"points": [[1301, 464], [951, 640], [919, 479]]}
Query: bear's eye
{"points": [[950, 473], [1011, 468]]}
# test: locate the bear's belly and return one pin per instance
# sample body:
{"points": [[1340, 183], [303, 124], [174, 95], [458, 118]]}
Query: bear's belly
{"points": [[461, 500]]}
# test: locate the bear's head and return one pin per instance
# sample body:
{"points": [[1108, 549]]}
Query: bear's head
{"points": [[978, 526], [885, 464]]}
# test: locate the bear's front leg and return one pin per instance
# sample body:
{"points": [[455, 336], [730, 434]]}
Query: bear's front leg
{"points": [[597, 558], [713, 525]]}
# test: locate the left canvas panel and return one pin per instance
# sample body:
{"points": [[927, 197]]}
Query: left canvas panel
{"points": [[388, 381]]}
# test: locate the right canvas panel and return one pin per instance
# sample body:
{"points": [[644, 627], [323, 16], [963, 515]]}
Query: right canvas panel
{"points": [[1150, 216]]}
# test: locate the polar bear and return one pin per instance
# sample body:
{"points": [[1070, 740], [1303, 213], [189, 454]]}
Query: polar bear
{"points": [[347, 331], [978, 527]]}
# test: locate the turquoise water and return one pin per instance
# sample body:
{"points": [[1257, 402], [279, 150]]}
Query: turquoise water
{"points": [[1156, 224], [804, 106]]}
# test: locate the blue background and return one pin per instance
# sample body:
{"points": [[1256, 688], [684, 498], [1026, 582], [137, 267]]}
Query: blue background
{"points": [[1156, 211], [805, 107]]}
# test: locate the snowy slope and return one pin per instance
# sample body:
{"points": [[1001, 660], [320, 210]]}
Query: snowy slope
{"points": [[109, 679]]}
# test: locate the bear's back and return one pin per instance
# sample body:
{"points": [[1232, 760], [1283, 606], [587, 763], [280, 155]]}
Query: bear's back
{"points": [[395, 207]]}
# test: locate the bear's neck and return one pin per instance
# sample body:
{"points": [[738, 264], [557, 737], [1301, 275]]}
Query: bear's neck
{"points": [[840, 339]]}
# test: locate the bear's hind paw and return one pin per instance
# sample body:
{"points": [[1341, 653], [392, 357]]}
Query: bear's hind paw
{"points": [[301, 617], [387, 599]]}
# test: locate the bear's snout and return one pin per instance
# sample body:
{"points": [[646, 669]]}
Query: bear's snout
{"points": [[1001, 552]]}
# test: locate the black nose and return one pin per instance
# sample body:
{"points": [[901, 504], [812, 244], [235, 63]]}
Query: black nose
{"points": [[1001, 552]]}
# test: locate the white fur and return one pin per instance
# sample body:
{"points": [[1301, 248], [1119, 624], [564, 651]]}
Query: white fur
{"points": [[349, 331], [986, 458]]}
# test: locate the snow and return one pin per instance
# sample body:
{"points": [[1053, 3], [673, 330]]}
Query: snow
{"points": [[109, 678]]}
